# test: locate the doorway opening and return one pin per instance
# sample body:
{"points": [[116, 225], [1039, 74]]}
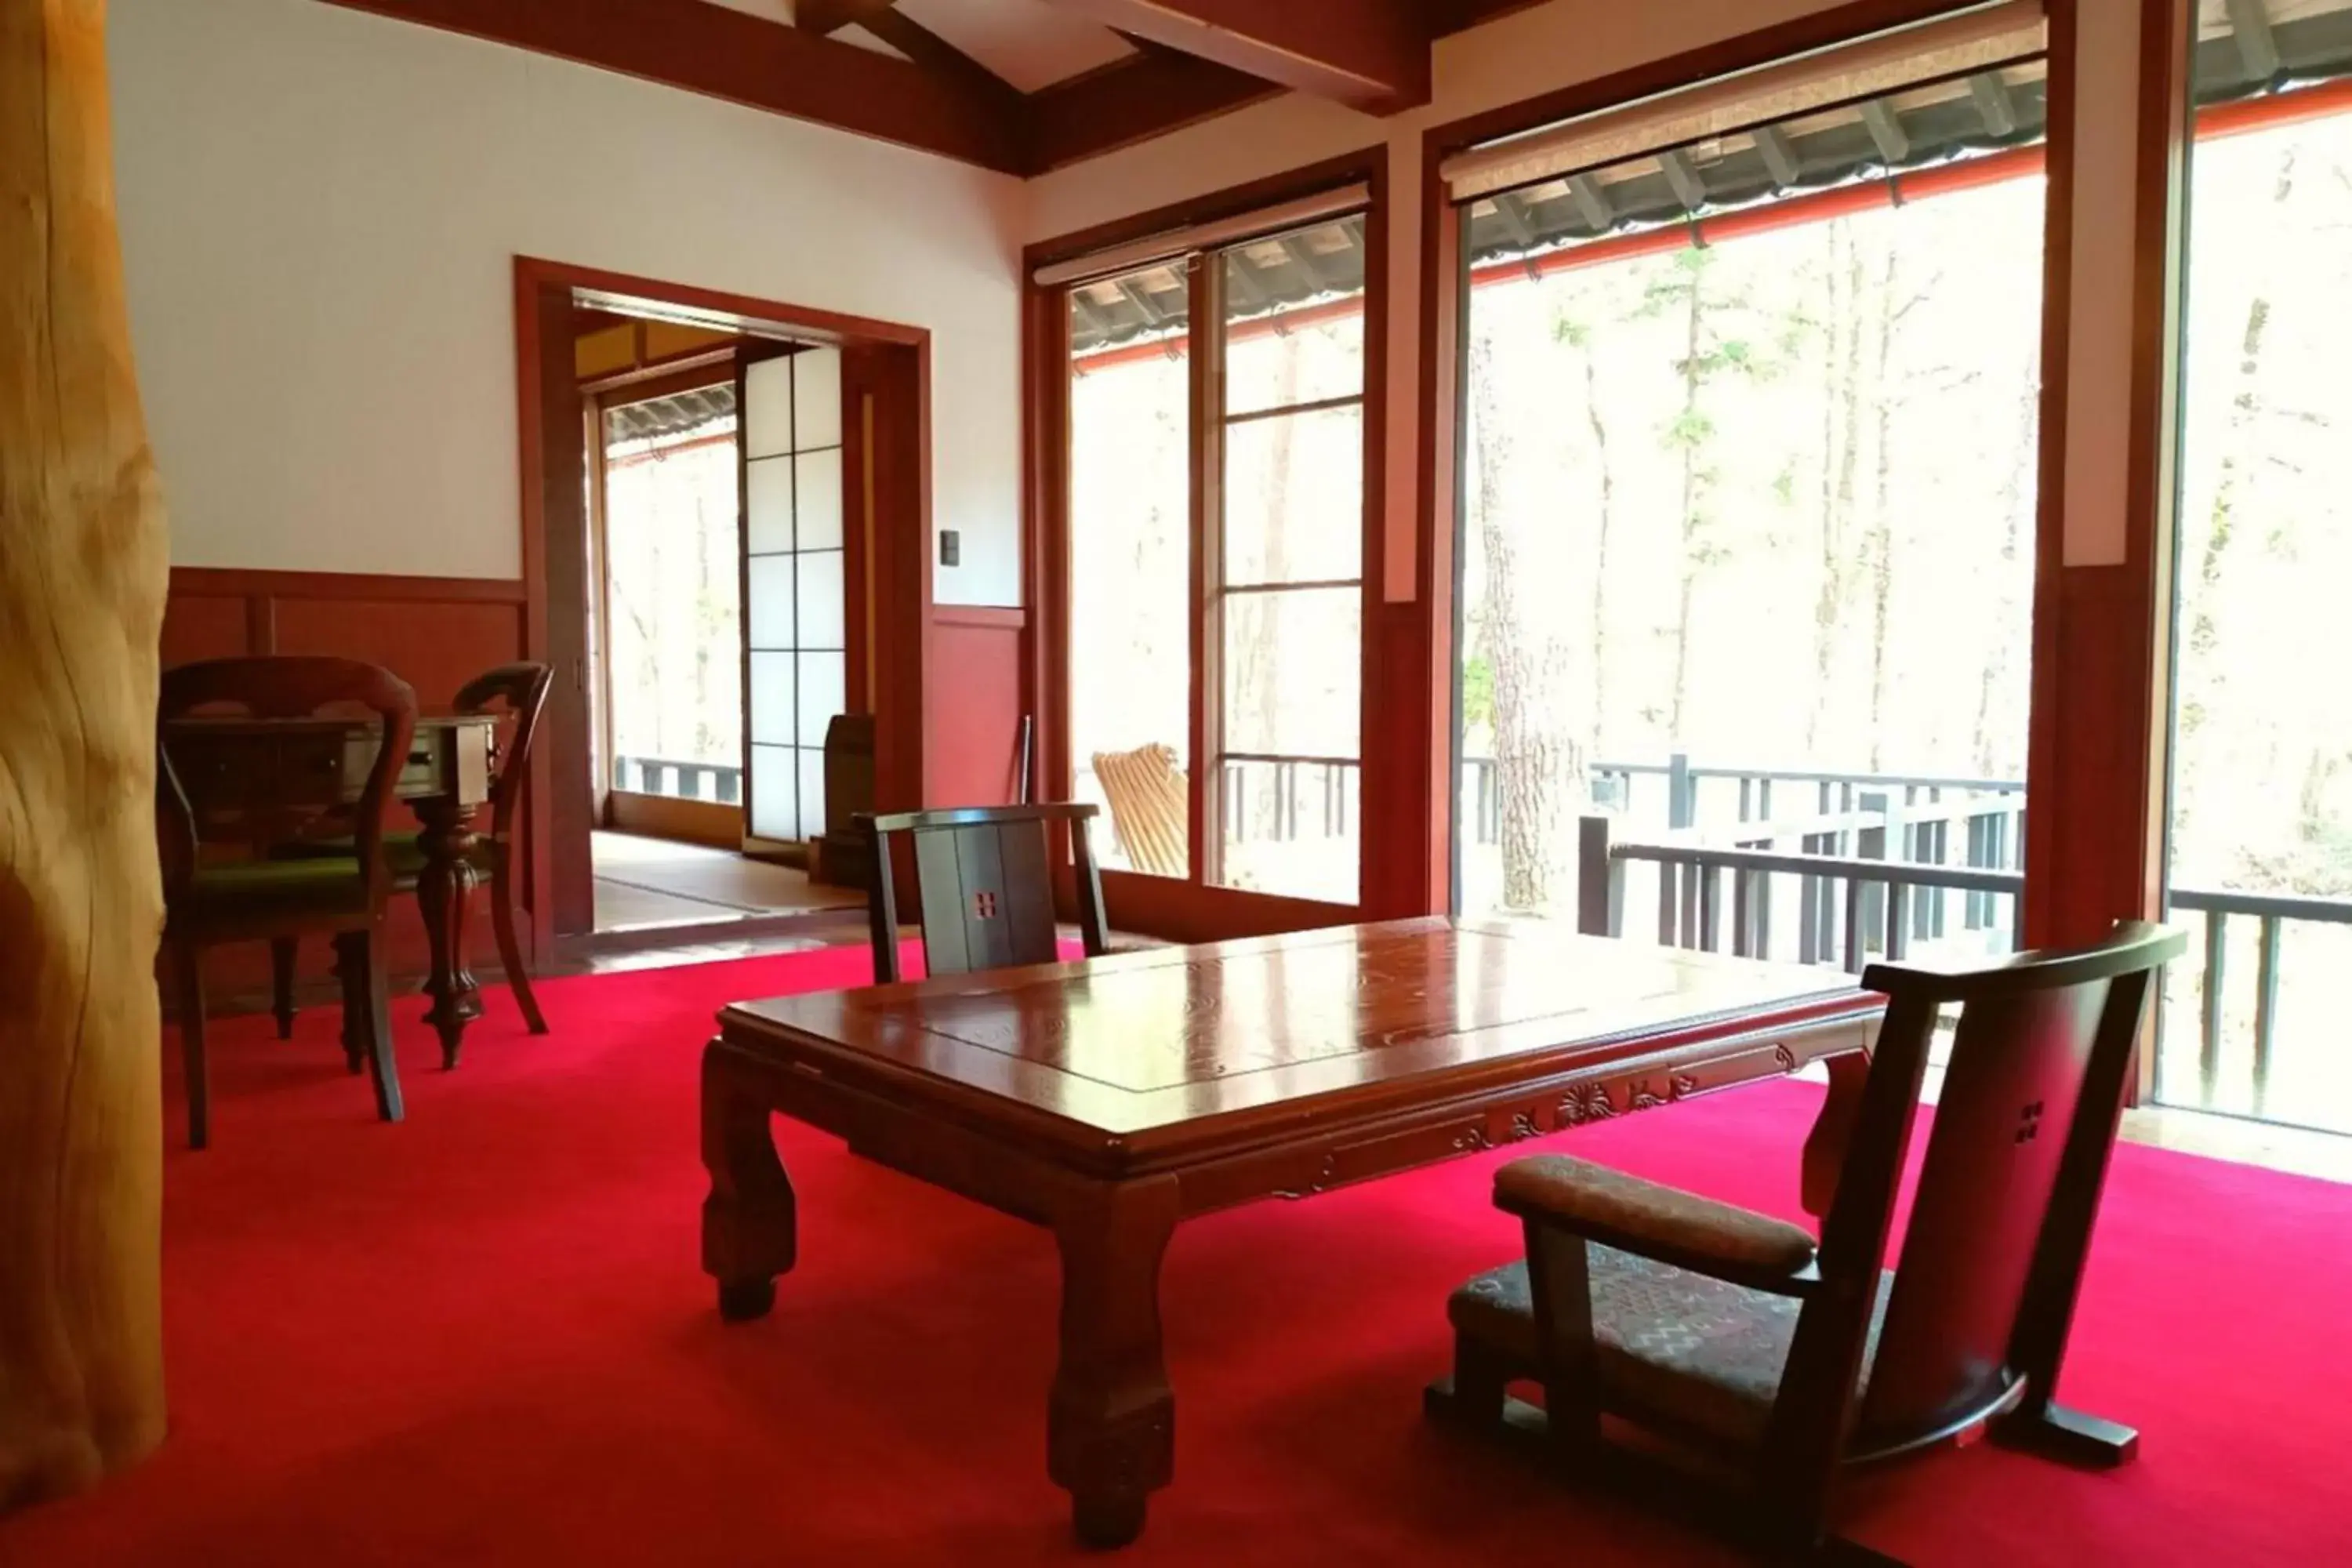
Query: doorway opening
{"points": [[727, 565]]}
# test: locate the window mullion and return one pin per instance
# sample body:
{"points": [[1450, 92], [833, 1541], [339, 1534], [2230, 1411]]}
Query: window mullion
{"points": [[1206, 306]]}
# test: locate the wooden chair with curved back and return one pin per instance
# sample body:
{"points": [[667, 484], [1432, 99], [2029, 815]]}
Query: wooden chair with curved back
{"points": [[1150, 808], [1732, 1337], [522, 690], [342, 894], [984, 876]]}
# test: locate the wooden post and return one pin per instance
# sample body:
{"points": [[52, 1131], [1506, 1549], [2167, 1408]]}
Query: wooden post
{"points": [[82, 570], [1600, 880]]}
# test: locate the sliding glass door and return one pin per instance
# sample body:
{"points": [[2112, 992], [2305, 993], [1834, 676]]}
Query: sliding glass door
{"points": [[1215, 526], [2261, 861]]}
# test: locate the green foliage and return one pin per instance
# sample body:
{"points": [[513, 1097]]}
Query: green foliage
{"points": [[1477, 692], [1690, 428]]}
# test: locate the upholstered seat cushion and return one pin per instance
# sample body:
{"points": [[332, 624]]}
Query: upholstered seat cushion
{"points": [[403, 853], [1609, 1206], [1694, 1355], [267, 888]]}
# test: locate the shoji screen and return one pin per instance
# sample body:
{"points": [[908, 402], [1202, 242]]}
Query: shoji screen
{"points": [[794, 603]]}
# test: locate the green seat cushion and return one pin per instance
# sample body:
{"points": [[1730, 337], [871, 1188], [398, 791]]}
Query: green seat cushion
{"points": [[403, 853], [316, 885]]}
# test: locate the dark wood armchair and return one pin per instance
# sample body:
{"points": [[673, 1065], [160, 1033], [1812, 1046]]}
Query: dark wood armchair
{"points": [[984, 876], [522, 690], [1736, 1341], [341, 895]]}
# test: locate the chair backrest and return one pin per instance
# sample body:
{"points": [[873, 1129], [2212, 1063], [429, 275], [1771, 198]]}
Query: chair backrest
{"points": [[2010, 1182], [983, 876], [286, 688], [522, 687], [1150, 808]]}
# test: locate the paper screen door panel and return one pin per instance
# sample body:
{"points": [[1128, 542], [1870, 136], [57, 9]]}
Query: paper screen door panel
{"points": [[794, 593]]}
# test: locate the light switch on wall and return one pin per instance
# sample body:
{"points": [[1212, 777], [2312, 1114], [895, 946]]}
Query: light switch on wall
{"points": [[950, 547]]}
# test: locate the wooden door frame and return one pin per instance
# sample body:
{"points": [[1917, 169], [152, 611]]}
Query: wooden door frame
{"points": [[894, 358]]}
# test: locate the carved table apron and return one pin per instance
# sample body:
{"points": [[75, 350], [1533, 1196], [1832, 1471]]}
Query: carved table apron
{"points": [[1107, 1098]]}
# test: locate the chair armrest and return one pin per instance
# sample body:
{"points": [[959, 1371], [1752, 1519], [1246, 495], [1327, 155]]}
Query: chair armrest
{"points": [[1651, 1220]]}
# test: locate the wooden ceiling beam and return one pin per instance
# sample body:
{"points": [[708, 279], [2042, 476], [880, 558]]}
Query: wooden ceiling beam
{"points": [[917, 42], [1371, 54], [1158, 91], [1450, 16], [725, 54]]}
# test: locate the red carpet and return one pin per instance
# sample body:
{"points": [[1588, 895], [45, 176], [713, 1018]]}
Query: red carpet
{"points": [[481, 1338]]}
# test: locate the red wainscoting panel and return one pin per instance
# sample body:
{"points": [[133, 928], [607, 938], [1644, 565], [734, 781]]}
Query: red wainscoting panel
{"points": [[972, 715], [435, 633]]}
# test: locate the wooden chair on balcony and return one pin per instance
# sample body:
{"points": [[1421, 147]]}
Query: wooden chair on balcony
{"points": [[520, 689], [984, 879], [1150, 808], [1734, 1339], [340, 894]]}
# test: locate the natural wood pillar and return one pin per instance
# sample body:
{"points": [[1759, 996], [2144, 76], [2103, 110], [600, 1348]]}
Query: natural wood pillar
{"points": [[81, 592]]}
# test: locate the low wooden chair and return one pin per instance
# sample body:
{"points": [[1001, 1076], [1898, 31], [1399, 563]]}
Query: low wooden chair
{"points": [[1150, 808], [522, 690], [984, 878], [251, 899], [1740, 1345]]}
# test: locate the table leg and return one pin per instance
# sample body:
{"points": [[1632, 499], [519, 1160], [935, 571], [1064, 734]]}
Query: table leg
{"points": [[1110, 1428], [1825, 1146], [751, 1226], [444, 889]]}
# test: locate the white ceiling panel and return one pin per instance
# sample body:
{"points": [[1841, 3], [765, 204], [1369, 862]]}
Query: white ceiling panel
{"points": [[1027, 42]]}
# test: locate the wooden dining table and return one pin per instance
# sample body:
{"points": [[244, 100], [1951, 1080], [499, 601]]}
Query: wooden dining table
{"points": [[262, 768], [1109, 1099]]}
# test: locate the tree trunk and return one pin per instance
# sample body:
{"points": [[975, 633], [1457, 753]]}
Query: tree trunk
{"points": [[2202, 682], [2009, 631], [81, 595], [1538, 758], [1605, 514], [1879, 545], [1841, 446], [1694, 524]]}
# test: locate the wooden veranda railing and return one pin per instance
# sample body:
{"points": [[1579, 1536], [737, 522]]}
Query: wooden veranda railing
{"points": [[1719, 895]]}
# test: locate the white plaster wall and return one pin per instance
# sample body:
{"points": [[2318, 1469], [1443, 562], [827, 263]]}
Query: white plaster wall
{"points": [[320, 211]]}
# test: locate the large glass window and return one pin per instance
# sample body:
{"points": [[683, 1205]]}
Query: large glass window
{"points": [[2261, 862], [1291, 564], [1216, 560], [1747, 521], [1130, 523]]}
